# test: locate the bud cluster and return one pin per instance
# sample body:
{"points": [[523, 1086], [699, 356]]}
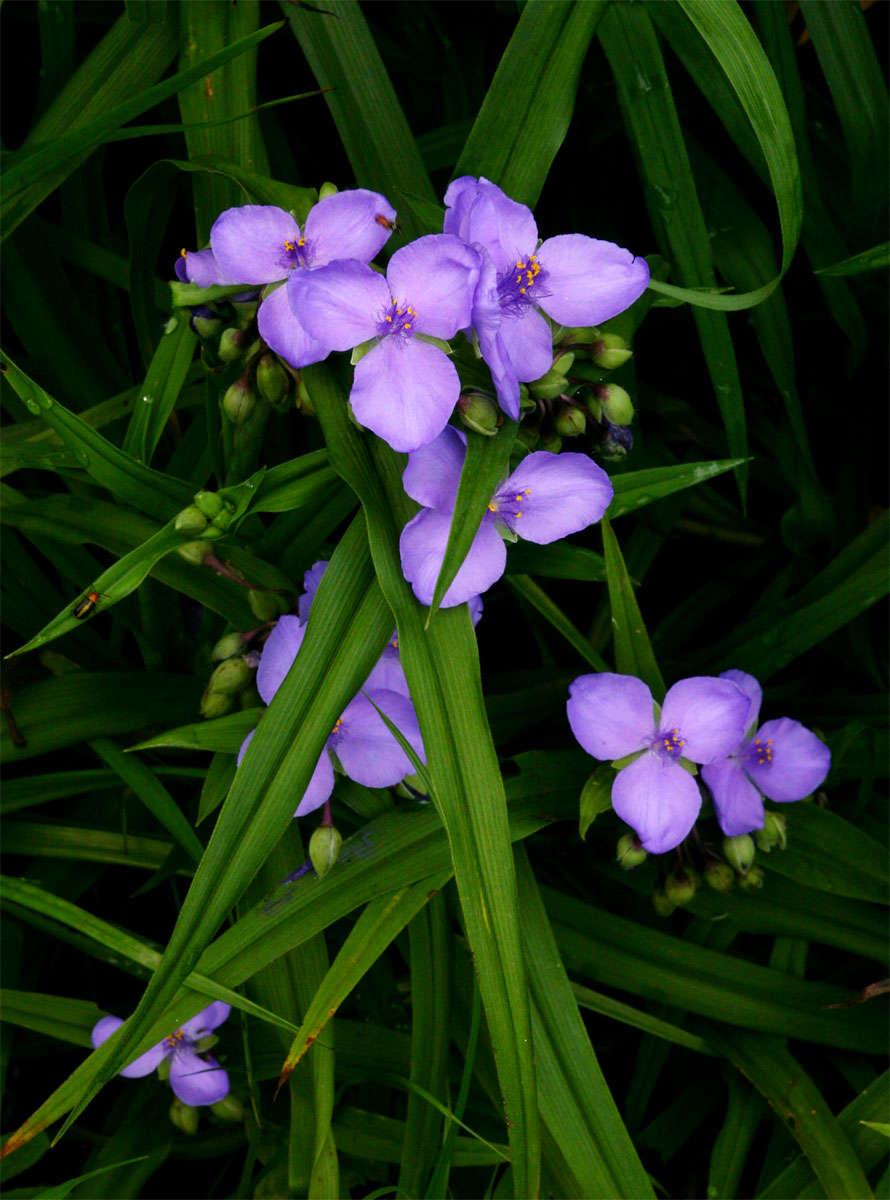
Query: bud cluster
{"points": [[210, 515]]}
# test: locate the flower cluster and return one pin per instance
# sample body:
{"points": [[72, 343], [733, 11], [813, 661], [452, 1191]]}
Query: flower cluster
{"points": [[196, 1078], [360, 742], [711, 721]]}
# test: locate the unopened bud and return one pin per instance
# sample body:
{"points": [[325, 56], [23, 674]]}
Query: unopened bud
{"points": [[214, 532], [272, 381], [479, 413], [720, 876], [215, 704], [662, 905], [551, 442], [579, 335], [569, 421], [327, 189], [229, 1108], [680, 886], [555, 382], [210, 503], [233, 344], [753, 880], [184, 1117], [205, 322], [239, 401], [610, 351], [615, 403], [227, 646], [629, 852], [772, 834], [245, 310], [739, 852], [190, 521], [617, 441], [195, 552], [266, 606], [304, 400], [324, 848], [229, 677]]}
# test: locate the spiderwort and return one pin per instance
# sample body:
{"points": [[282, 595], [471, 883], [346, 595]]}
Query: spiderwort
{"points": [[404, 388], [781, 760], [574, 279], [547, 497], [195, 1079], [261, 244], [701, 720], [360, 739]]}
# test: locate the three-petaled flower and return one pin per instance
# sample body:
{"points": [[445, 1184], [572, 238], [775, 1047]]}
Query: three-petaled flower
{"points": [[702, 720], [782, 760], [405, 388], [195, 1079], [547, 497], [574, 279]]}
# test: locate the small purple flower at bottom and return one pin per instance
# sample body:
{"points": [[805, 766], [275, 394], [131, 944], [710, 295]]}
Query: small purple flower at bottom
{"points": [[781, 760], [195, 1079], [613, 716], [362, 742], [547, 497]]}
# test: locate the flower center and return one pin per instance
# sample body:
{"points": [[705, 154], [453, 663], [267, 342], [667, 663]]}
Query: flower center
{"points": [[669, 742], [518, 286], [761, 753], [509, 505], [398, 318], [175, 1039], [296, 254]]}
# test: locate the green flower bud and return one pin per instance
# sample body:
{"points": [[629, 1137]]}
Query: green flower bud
{"points": [[526, 403], [720, 876], [184, 1117], [662, 905], [479, 413], [324, 848], [245, 310], [579, 335], [739, 852], [239, 401], [610, 350], [569, 421], [229, 1108], [233, 344], [215, 704], [210, 503], [164, 1070], [214, 532], [753, 880], [615, 404], [551, 442], [555, 382], [266, 606], [250, 698], [772, 834], [206, 327], [190, 521], [680, 886], [272, 381], [195, 552], [304, 400], [327, 189], [227, 646], [230, 676], [629, 852]]}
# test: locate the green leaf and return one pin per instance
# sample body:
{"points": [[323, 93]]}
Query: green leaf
{"points": [[527, 109], [223, 735], [635, 489], [539, 600], [876, 259], [826, 852], [164, 381], [633, 650], [781, 1080], [61, 1190], [485, 465], [744, 1112], [596, 797], [50, 840], [54, 713], [561, 560]]}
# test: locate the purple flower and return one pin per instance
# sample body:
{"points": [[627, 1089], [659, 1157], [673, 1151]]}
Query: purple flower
{"points": [[547, 497], [361, 741], [194, 1078], [701, 720], [405, 388], [199, 267], [262, 244], [781, 760], [575, 280]]}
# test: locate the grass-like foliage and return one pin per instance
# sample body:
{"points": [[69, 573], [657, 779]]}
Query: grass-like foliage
{"points": [[514, 944]]}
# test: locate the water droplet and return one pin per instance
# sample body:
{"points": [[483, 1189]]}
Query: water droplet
{"points": [[82, 457], [147, 399], [33, 406], [665, 198], [644, 83]]}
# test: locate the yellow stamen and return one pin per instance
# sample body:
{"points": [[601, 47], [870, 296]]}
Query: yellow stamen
{"points": [[183, 253], [301, 242], [492, 507]]}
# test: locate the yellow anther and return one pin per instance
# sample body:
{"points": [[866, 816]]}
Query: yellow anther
{"points": [[522, 291], [288, 246], [519, 496], [389, 319], [519, 514], [492, 507], [301, 242], [519, 279], [183, 253], [527, 492], [520, 265], [407, 325]]}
